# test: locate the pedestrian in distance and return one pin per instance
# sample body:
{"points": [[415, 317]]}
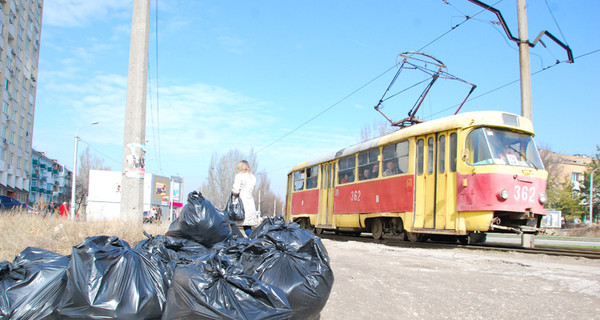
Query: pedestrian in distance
{"points": [[153, 214], [63, 210], [158, 214], [243, 185], [50, 209]]}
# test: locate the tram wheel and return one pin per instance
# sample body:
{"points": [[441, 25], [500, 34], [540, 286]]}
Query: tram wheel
{"points": [[477, 238], [377, 228], [414, 237], [464, 240], [304, 224]]}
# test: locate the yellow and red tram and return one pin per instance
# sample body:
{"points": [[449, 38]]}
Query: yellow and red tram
{"points": [[458, 176]]}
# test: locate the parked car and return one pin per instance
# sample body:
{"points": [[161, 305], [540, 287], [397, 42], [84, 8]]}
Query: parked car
{"points": [[8, 203], [147, 217]]}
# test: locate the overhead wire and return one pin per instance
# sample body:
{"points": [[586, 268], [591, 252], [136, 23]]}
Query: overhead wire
{"points": [[514, 81], [454, 106], [556, 23], [102, 153], [325, 110], [467, 18], [155, 128], [157, 96]]}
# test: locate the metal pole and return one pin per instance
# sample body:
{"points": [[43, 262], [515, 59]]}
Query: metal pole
{"points": [[524, 61], [591, 194], [132, 196], [74, 176], [258, 200]]}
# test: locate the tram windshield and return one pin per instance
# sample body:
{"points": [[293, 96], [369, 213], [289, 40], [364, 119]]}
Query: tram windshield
{"points": [[502, 147]]}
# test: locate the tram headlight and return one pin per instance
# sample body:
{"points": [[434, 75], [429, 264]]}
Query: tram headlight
{"points": [[543, 198], [503, 195]]}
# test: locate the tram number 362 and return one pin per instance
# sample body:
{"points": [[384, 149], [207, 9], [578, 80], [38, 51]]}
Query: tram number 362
{"points": [[524, 193], [355, 195]]}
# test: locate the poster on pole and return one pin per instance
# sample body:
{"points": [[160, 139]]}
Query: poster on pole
{"points": [[135, 160]]}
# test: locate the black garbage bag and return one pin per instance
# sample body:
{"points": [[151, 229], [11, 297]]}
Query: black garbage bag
{"points": [[32, 285], [200, 221], [158, 250], [284, 233], [108, 279], [235, 209], [293, 259], [175, 250], [212, 289]]}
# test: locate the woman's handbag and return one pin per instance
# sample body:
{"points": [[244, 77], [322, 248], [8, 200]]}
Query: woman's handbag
{"points": [[235, 211]]}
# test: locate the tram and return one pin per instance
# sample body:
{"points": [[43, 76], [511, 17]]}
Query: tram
{"points": [[460, 176]]}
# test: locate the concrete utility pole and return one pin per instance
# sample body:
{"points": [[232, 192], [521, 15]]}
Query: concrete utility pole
{"points": [[134, 149], [524, 61]]}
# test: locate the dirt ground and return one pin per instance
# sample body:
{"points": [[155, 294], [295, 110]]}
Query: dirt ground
{"points": [[374, 281]]}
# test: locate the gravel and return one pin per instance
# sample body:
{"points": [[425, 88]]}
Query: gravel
{"points": [[374, 281]]}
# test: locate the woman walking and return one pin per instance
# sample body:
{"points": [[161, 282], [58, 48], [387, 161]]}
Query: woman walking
{"points": [[243, 185]]}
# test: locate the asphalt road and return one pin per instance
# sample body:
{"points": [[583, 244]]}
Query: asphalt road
{"points": [[374, 281]]}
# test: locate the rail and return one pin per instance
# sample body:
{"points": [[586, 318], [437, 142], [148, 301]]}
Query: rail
{"points": [[547, 250]]}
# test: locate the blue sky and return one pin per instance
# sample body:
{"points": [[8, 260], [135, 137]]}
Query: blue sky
{"points": [[242, 74]]}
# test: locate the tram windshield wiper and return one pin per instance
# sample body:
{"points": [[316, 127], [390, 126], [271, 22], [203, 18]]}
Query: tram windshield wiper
{"points": [[522, 155]]}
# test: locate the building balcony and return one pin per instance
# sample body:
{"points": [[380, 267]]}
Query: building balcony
{"points": [[35, 175]]}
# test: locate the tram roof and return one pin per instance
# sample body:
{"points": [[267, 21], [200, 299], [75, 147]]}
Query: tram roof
{"points": [[463, 120]]}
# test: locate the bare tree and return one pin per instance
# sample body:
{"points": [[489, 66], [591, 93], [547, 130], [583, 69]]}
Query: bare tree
{"points": [[221, 172], [377, 129], [550, 160], [87, 162], [269, 203]]}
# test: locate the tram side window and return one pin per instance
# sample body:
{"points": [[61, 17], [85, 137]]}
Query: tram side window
{"points": [[346, 169], [299, 180], [478, 148], [368, 164], [430, 156], [312, 175], [420, 149], [453, 153], [442, 154], [395, 159]]}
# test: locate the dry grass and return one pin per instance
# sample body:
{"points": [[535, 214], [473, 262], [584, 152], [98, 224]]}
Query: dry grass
{"points": [[19, 231]]}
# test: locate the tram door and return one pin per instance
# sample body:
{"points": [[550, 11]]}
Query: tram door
{"points": [[425, 183], [445, 203], [435, 196], [288, 199], [326, 191]]}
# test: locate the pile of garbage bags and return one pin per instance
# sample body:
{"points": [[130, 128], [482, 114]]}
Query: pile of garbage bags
{"points": [[202, 268]]}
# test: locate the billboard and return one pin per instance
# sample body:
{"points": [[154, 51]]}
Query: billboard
{"points": [[552, 219], [161, 190]]}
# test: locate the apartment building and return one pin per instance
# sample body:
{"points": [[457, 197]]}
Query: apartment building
{"points": [[50, 181], [20, 27], [568, 167]]}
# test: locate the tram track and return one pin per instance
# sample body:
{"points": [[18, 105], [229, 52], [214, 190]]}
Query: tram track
{"points": [[547, 250]]}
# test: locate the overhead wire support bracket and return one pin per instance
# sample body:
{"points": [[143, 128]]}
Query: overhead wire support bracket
{"points": [[438, 72], [516, 40]]}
